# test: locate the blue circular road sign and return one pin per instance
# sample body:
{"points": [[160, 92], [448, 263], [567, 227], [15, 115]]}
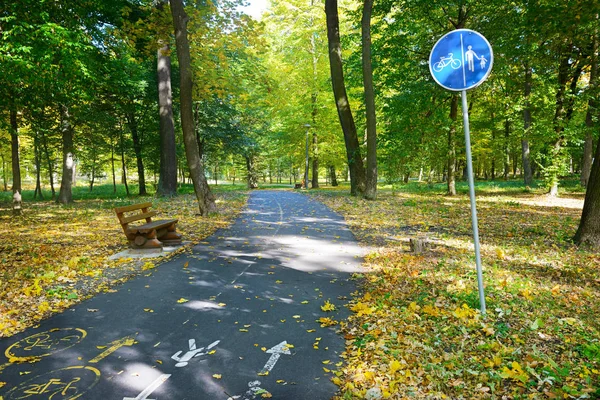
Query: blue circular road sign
{"points": [[462, 59]]}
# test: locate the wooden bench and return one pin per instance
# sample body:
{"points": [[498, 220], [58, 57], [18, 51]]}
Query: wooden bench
{"points": [[151, 234]]}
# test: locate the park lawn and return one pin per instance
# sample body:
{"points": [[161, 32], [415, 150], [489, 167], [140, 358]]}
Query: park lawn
{"points": [[54, 256], [416, 330]]}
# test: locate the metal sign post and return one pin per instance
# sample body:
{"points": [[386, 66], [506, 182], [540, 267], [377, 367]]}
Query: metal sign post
{"points": [[461, 60]]}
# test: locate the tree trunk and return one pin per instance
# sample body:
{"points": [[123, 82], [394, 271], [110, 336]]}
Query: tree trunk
{"points": [[333, 177], [123, 164], [355, 163], [506, 149], [552, 171], [315, 161], [93, 177], [65, 195], [452, 147], [112, 166], [37, 159], [4, 178], [16, 165], [367, 70], [44, 140], [588, 233], [137, 148], [315, 143], [167, 181], [527, 172], [206, 200], [252, 179], [589, 120]]}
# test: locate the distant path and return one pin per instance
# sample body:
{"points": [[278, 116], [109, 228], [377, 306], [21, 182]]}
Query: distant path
{"points": [[206, 324]]}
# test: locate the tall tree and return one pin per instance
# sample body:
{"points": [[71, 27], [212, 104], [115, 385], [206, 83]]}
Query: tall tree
{"points": [[592, 108], [588, 232], [355, 163], [371, 182], [206, 200], [167, 181], [65, 196], [16, 164]]}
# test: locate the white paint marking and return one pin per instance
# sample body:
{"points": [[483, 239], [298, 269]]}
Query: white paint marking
{"points": [[153, 386], [276, 352], [251, 393], [193, 352]]}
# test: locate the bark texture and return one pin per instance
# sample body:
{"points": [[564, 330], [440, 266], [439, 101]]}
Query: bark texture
{"points": [[589, 117], [355, 162], [14, 138], [367, 69], [167, 180], [206, 200], [137, 148], [452, 147], [588, 233]]}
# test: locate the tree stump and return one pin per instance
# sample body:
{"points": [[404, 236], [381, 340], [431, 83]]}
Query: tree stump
{"points": [[419, 244]]}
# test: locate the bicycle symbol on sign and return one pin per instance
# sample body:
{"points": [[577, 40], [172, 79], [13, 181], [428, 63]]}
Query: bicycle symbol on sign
{"points": [[445, 61]]}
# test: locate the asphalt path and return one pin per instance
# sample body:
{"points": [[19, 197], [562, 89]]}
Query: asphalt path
{"points": [[236, 317]]}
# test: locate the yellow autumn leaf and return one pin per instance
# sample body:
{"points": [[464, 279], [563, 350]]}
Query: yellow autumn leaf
{"points": [[328, 306], [148, 265], [395, 366]]}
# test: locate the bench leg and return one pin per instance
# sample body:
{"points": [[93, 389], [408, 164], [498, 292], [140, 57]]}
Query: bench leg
{"points": [[170, 237], [148, 241]]}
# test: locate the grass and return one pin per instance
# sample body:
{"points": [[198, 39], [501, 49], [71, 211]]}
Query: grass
{"points": [[416, 330]]}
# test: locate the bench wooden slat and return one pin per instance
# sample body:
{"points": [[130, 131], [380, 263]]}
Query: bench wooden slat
{"points": [[137, 217], [132, 207], [152, 225]]}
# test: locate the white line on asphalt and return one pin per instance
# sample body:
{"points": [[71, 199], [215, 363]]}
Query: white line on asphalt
{"points": [[276, 352], [153, 386]]}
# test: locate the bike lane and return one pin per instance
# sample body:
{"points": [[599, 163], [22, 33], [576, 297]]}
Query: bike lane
{"points": [[234, 318]]}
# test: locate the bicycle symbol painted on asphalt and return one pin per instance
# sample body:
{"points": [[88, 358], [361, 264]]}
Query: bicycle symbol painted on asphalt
{"points": [[445, 61], [64, 384], [46, 343]]}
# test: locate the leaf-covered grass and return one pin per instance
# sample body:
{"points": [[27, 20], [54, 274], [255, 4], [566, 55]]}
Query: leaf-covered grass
{"points": [[416, 330], [47, 252]]}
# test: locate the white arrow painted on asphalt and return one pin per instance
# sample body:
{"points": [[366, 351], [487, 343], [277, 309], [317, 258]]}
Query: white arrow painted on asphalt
{"points": [[276, 352], [153, 386]]}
